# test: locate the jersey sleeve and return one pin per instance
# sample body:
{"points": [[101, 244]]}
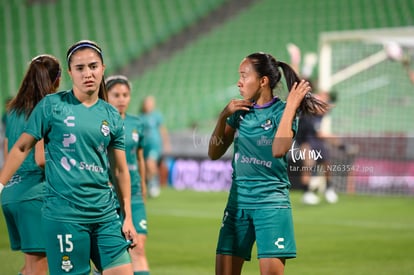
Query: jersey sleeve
{"points": [[38, 123], [118, 134], [140, 127], [235, 118]]}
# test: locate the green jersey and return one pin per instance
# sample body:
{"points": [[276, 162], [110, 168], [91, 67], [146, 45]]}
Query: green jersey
{"points": [[28, 181], [76, 139], [152, 123], [258, 178], [134, 129]]}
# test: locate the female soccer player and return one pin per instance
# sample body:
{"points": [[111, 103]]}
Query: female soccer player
{"points": [[22, 198], [156, 144], [262, 128], [83, 136], [119, 95]]}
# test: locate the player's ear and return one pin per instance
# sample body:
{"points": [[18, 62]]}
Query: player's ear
{"points": [[264, 81]]}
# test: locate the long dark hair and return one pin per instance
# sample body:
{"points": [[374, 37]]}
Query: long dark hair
{"points": [[266, 65], [41, 78], [82, 44]]}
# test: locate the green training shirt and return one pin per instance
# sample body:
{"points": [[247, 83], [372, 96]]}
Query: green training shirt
{"points": [[76, 140], [28, 181], [134, 129], [258, 178], [152, 122]]}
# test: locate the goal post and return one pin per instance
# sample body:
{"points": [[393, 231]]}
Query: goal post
{"points": [[379, 38], [369, 71]]}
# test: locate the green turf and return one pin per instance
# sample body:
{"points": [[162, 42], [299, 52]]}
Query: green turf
{"points": [[359, 235]]}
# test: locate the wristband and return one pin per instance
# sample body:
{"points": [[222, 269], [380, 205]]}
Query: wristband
{"points": [[1, 187]]}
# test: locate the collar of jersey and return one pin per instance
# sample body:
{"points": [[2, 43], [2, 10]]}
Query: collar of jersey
{"points": [[270, 103]]}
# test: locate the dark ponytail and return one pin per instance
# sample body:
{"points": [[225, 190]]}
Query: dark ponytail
{"points": [[266, 65], [42, 78]]}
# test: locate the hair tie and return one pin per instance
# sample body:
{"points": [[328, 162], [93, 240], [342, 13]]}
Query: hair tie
{"points": [[84, 45], [117, 79]]}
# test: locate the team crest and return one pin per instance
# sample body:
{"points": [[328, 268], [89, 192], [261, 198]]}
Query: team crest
{"points": [[135, 135], [267, 125], [105, 128], [66, 264]]}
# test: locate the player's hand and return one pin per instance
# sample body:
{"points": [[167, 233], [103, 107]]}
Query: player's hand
{"points": [[130, 233], [237, 105], [297, 93]]}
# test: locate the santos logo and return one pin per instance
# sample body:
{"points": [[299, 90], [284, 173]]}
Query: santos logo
{"points": [[253, 160]]}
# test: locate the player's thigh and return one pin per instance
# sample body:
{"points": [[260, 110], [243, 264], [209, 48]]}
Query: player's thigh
{"points": [[24, 226], [10, 215], [108, 245], [236, 236], [30, 227], [67, 247], [274, 233]]}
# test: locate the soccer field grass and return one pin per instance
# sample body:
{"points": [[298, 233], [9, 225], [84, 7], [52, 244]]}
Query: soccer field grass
{"points": [[359, 235]]}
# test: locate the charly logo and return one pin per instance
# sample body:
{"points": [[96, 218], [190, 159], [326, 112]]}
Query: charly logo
{"points": [[279, 243], [267, 125], [69, 121], [143, 224], [105, 128]]}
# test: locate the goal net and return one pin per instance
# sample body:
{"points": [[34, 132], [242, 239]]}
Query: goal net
{"points": [[368, 71]]}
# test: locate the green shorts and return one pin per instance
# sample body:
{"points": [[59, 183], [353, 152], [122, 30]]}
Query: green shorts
{"points": [[139, 216], [272, 229], [151, 152], [25, 230], [71, 246]]}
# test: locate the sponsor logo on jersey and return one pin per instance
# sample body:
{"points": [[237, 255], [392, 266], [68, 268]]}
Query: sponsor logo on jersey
{"points": [[253, 160], [68, 139], [67, 164], [90, 167], [264, 141]]}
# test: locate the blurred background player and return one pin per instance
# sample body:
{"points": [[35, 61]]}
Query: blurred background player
{"points": [[156, 144], [315, 136], [119, 95], [22, 197], [312, 139]]}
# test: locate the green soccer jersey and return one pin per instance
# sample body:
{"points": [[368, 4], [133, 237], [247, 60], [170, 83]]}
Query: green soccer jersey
{"points": [[76, 140], [152, 123], [258, 178], [133, 141], [28, 181]]}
